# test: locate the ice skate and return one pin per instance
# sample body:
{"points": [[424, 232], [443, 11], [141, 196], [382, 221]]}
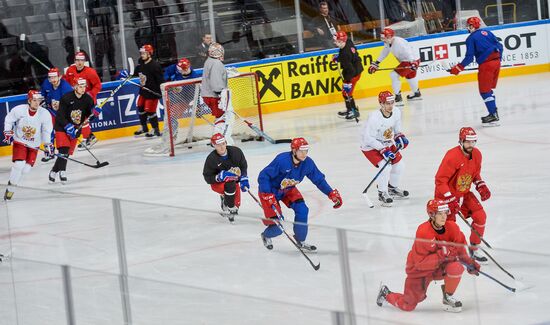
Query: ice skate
{"points": [[343, 114], [140, 133], [8, 194], [232, 213], [52, 176], [267, 241], [385, 198], [63, 177], [415, 96], [397, 193], [384, 291], [351, 115], [450, 303], [47, 158], [398, 99], [305, 246], [153, 133], [476, 255], [490, 120]]}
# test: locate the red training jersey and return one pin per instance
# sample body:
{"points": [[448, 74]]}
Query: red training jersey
{"points": [[423, 259], [94, 83], [457, 172]]}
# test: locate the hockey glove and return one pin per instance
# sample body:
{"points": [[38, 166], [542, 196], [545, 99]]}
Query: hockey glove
{"points": [[473, 266], [387, 153], [8, 136], [373, 67], [414, 65], [49, 150], [347, 87], [245, 185], [457, 69], [335, 57], [452, 202], [97, 110], [269, 199], [334, 195], [123, 74], [71, 132], [483, 190], [401, 142], [446, 254], [226, 176]]}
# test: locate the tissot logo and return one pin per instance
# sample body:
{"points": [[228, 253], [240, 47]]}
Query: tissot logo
{"points": [[270, 82], [437, 52]]}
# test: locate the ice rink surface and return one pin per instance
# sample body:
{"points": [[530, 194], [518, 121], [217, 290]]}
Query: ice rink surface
{"points": [[211, 260]]}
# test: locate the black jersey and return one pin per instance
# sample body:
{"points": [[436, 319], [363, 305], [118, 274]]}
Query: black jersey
{"points": [[350, 61], [73, 110], [234, 162], [153, 78]]}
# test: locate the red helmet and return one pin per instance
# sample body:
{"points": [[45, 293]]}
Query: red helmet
{"points": [[184, 64], [54, 72], [388, 32], [147, 48], [217, 138], [341, 36], [34, 94], [434, 206], [467, 134], [474, 21], [385, 96], [80, 56], [299, 144]]}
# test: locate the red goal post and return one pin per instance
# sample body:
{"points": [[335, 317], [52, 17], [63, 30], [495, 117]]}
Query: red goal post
{"points": [[188, 121]]}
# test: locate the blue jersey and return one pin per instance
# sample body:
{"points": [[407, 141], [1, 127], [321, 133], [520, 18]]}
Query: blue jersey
{"points": [[50, 94], [481, 44], [171, 73], [282, 174]]}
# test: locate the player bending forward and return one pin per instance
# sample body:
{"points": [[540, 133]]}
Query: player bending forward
{"points": [[215, 93], [348, 57], [225, 169], [408, 64], [461, 167], [487, 50], [28, 126], [278, 181], [436, 254], [380, 139]]}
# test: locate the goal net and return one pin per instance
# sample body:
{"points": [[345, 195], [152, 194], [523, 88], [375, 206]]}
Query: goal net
{"points": [[188, 121]]}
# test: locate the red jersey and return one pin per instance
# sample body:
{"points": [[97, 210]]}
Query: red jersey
{"points": [[94, 83], [457, 172], [423, 259]]}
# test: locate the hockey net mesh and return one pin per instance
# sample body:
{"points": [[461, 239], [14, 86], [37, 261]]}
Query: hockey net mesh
{"points": [[188, 120]]}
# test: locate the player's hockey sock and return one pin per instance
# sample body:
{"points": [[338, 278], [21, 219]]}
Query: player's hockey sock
{"points": [[395, 173], [453, 274], [413, 83], [143, 119], [395, 82], [490, 102], [229, 189], [272, 231], [153, 119], [16, 171], [300, 217], [60, 163]]}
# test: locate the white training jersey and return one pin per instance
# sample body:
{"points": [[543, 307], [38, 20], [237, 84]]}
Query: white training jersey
{"points": [[378, 131], [401, 49], [29, 130]]}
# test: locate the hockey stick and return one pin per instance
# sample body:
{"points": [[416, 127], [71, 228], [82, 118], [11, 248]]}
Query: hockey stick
{"points": [[483, 250], [502, 66], [262, 133], [58, 155], [278, 223], [91, 153], [347, 99], [143, 87], [469, 267], [22, 39], [369, 202]]}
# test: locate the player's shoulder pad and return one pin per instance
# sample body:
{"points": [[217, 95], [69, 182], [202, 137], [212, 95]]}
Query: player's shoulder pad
{"points": [[476, 153], [424, 230]]}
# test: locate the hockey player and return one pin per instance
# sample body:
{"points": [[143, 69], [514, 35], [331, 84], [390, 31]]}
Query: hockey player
{"points": [[225, 169], [349, 60], [461, 167], [181, 71], [73, 73], [408, 64], [278, 182], [380, 139], [150, 76], [215, 93], [52, 90], [74, 110], [27, 126], [487, 50], [436, 254]]}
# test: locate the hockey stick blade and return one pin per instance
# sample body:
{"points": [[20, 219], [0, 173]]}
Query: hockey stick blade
{"points": [[131, 65], [469, 267], [369, 202], [102, 164]]}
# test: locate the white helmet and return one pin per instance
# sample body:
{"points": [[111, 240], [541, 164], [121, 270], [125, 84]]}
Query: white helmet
{"points": [[216, 51]]}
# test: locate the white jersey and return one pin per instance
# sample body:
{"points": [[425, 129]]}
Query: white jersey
{"points": [[379, 131], [401, 49], [29, 130]]}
